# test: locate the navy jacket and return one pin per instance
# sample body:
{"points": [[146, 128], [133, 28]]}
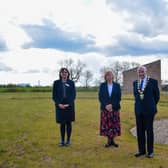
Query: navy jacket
{"points": [[57, 95], [147, 106], [114, 99]]}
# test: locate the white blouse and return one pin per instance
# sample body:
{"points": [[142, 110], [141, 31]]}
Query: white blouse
{"points": [[110, 88]]}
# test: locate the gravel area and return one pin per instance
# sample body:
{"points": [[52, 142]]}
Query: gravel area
{"points": [[160, 131]]}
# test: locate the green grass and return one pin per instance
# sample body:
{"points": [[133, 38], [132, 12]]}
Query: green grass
{"points": [[29, 134]]}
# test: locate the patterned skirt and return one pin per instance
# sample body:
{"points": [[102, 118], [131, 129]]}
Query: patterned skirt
{"points": [[110, 124]]}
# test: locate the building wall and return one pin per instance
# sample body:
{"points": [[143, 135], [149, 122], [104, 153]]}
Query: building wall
{"points": [[153, 70]]}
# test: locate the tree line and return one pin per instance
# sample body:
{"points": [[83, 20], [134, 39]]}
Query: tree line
{"points": [[79, 70]]}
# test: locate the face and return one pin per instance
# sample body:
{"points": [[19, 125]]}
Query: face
{"points": [[64, 74], [141, 73], [109, 77]]}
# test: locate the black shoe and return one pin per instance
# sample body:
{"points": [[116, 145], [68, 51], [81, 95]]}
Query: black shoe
{"points": [[114, 144], [138, 154], [107, 145], [150, 155]]}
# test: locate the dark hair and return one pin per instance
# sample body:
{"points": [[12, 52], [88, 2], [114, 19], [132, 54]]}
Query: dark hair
{"points": [[62, 70]]}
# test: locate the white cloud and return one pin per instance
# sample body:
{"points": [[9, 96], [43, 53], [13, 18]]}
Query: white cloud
{"points": [[86, 18], [133, 27]]}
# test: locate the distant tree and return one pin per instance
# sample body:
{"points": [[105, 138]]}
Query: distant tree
{"points": [[115, 67], [75, 68], [88, 76], [134, 64], [126, 65], [102, 71], [11, 85], [118, 68]]}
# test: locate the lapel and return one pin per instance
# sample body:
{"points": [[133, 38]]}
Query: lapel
{"points": [[113, 90], [148, 85], [106, 89], [60, 86]]}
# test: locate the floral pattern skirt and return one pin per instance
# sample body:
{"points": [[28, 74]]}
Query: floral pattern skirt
{"points": [[110, 124]]}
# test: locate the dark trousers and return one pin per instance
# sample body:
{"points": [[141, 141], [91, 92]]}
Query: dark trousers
{"points": [[145, 132], [66, 127]]}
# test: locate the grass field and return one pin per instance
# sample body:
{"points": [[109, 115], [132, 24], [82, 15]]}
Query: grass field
{"points": [[29, 135]]}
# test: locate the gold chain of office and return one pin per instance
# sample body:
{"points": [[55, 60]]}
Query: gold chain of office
{"points": [[141, 91]]}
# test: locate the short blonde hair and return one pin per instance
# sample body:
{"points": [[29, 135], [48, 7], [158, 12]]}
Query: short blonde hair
{"points": [[107, 73]]}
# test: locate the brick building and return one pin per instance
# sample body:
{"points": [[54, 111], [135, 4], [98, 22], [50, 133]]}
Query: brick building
{"points": [[153, 70]]}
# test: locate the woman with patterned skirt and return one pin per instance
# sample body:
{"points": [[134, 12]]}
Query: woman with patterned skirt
{"points": [[110, 97]]}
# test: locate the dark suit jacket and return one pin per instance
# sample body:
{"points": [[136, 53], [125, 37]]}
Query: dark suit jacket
{"points": [[147, 106], [57, 95], [114, 99]]}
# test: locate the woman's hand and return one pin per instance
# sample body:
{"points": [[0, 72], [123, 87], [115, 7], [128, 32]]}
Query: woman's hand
{"points": [[61, 106], [66, 105], [109, 107]]}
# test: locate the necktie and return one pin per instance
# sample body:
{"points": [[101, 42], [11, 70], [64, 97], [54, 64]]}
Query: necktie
{"points": [[141, 84]]}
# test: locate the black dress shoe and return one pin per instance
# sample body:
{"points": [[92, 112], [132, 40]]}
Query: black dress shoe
{"points": [[107, 145], [150, 155], [139, 154], [115, 145]]}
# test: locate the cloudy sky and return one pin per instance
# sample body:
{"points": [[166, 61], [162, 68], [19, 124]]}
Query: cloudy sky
{"points": [[36, 35]]}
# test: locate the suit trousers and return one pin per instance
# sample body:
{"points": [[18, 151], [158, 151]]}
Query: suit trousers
{"points": [[145, 133]]}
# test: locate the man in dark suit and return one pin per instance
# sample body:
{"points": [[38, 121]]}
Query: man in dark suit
{"points": [[146, 93]]}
